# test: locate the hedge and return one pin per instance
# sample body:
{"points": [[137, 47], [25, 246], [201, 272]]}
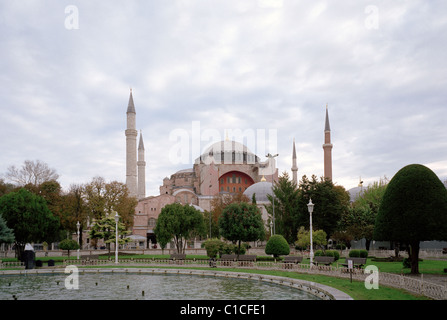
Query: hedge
{"points": [[358, 253], [328, 253]]}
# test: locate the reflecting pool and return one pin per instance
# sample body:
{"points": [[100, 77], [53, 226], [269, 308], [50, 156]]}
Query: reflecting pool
{"points": [[105, 286]]}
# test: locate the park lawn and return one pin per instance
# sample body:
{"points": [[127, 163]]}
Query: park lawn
{"points": [[425, 266], [356, 289]]}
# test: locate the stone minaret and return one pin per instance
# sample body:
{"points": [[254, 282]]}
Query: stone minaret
{"points": [[327, 147], [131, 148], [141, 164], [294, 165]]}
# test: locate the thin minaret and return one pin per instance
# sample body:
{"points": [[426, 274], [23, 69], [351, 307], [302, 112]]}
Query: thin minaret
{"points": [[294, 165], [131, 148], [141, 169], [327, 147]]}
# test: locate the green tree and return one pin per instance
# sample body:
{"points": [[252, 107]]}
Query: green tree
{"points": [[319, 238], [241, 222], [51, 191], [360, 219], [218, 204], [28, 215], [6, 234], [413, 209], [105, 229], [68, 244], [286, 207], [330, 203], [277, 246], [180, 223]]}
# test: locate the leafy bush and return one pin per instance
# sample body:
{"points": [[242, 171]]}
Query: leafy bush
{"points": [[328, 253], [277, 245], [213, 247], [226, 248]]}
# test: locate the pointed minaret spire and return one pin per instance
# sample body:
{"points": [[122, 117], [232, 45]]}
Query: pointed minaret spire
{"points": [[141, 164], [140, 143], [327, 147], [294, 165], [131, 148], [327, 126], [131, 106]]}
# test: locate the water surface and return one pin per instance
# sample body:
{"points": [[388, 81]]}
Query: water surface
{"points": [[156, 287]]}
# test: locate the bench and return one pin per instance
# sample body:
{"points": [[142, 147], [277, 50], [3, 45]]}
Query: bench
{"points": [[244, 257], [177, 258], [228, 259], [356, 262], [246, 260], [323, 260], [292, 259]]}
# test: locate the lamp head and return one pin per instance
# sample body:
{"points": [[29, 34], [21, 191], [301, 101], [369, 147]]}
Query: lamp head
{"points": [[310, 206]]}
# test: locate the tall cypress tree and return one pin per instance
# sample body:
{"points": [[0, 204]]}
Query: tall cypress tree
{"points": [[286, 207]]}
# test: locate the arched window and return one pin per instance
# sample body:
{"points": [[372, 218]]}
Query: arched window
{"points": [[151, 223]]}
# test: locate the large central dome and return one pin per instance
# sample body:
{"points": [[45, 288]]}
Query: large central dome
{"points": [[228, 152]]}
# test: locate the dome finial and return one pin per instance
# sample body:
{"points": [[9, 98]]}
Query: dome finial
{"points": [[263, 179]]}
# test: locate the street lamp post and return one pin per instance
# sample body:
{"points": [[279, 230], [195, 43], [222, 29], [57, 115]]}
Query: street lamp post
{"points": [[273, 195], [310, 207], [117, 218], [78, 225]]}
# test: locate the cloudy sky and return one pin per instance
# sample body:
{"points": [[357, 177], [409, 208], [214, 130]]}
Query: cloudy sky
{"points": [[263, 67]]}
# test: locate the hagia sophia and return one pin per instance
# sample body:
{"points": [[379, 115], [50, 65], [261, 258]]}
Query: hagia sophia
{"points": [[225, 167]]}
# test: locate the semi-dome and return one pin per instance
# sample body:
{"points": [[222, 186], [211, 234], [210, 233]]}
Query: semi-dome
{"points": [[354, 193], [261, 190], [228, 152]]}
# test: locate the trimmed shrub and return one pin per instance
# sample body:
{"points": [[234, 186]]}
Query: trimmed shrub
{"points": [[358, 253], [277, 246], [328, 253]]}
